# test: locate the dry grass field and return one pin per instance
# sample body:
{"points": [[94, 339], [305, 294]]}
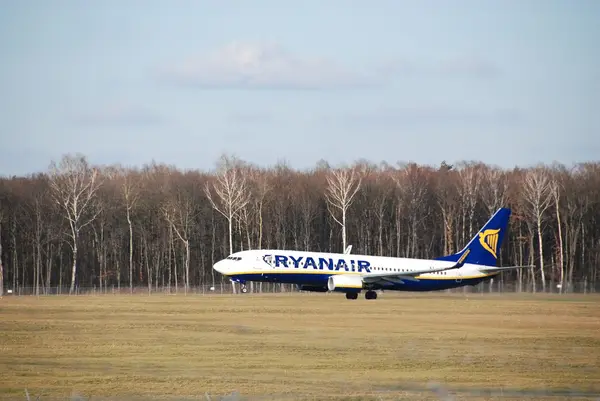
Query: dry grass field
{"points": [[301, 346]]}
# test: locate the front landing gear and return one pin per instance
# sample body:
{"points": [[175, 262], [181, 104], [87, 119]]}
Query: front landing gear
{"points": [[242, 283], [351, 295]]}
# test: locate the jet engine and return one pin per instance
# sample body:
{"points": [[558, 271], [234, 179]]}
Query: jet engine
{"points": [[344, 283]]}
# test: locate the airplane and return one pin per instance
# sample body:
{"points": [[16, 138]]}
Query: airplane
{"points": [[351, 274]]}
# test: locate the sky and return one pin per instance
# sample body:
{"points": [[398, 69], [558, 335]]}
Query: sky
{"points": [[507, 82]]}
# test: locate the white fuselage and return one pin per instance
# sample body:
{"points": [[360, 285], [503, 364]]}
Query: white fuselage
{"points": [[315, 268]]}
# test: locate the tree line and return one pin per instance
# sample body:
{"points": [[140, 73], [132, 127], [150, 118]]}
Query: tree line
{"points": [[79, 225]]}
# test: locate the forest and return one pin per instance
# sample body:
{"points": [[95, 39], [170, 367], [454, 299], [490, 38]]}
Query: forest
{"points": [[79, 225]]}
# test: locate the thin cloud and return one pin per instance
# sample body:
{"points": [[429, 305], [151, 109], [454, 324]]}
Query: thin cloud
{"points": [[248, 65]]}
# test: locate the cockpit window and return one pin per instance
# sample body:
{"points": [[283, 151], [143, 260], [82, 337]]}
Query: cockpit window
{"points": [[233, 258]]}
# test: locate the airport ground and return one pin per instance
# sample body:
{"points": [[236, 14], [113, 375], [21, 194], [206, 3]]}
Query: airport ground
{"points": [[299, 346]]}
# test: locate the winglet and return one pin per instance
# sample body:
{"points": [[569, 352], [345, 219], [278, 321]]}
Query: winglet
{"points": [[461, 260]]}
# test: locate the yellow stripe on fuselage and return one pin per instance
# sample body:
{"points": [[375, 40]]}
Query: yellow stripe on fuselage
{"points": [[420, 277]]}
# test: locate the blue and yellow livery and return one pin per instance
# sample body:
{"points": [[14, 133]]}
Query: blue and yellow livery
{"points": [[351, 274]]}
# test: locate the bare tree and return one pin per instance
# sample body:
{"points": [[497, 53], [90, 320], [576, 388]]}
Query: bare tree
{"points": [[447, 199], [307, 209], [413, 183], [262, 188], [556, 189], [537, 191], [378, 199], [578, 201], [179, 213], [36, 212], [495, 189], [130, 190], [232, 194], [131, 196], [74, 184], [469, 182], [342, 186], [281, 205]]}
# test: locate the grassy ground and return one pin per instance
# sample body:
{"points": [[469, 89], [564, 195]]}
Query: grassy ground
{"points": [[316, 345]]}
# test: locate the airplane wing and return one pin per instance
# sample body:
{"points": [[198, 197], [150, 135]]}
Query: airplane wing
{"points": [[399, 277], [491, 269]]}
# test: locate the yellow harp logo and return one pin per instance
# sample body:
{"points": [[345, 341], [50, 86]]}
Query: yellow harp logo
{"points": [[489, 241]]}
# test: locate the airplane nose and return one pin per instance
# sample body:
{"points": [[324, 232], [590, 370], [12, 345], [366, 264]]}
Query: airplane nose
{"points": [[220, 266]]}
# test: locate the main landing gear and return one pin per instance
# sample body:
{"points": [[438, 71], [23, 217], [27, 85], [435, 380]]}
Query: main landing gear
{"points": [[368, 295]]}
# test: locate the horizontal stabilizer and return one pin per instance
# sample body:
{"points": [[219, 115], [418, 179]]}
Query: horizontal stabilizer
{"points": [[491, 269]]}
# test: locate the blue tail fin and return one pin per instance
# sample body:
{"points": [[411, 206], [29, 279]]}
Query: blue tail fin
{"points": [[485, 245]]}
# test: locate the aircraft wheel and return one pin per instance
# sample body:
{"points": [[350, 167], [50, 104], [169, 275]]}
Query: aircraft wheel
{"points": [[244, 289], [370, 295], [351, 295]]}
